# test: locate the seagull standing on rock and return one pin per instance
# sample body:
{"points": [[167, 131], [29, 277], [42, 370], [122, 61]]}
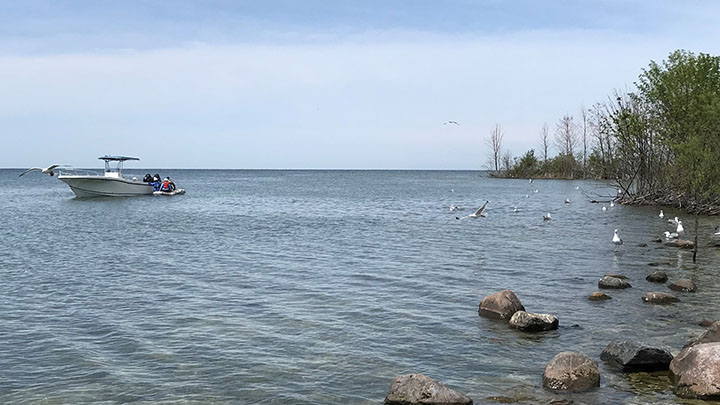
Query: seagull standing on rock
{"points": [[680, 230], [671, 236], [616, 240]]}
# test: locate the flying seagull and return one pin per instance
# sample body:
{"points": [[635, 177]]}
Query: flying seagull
{"points": [[674, 221], [451, 122], [479, 213], [49, 170], [616, 240]]}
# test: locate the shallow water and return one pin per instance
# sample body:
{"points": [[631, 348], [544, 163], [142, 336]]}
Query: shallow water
{"points": [[311, 287]]}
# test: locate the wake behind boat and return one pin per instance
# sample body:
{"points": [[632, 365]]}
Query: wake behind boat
{"points": [[112, 182]]}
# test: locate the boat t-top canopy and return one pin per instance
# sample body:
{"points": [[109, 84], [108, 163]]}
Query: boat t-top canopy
{"points": [[108, 158]]}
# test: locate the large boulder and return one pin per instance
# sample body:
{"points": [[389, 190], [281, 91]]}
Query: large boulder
{"points": [[684, 285], [501, 305], [418, 389], [530, 322], [599, 296], [620, 276], [613, 282], [632, 356], [680, 243], [710, 335], [571, 371], [657, 277], [695, 372], [659, 298]]}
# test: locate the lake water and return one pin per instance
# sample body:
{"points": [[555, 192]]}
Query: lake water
{"points": [[319, 287]]}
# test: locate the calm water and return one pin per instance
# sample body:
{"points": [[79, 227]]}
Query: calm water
{"points": [[318, 287]]}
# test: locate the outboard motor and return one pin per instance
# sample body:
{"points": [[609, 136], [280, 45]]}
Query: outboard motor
{"points": [[148, 178], [156, 177]]}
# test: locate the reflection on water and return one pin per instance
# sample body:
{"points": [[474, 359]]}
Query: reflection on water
{"points": [[320, 287]]}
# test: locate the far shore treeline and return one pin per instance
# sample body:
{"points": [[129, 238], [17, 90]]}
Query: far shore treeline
{"points": [[659, 143]]}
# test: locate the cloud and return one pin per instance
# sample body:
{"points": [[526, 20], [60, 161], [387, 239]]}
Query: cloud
{"points": [[378, 101]]}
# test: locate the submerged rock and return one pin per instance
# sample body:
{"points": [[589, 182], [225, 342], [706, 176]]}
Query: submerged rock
{"points": [[613, 282], [571, 371], [642, 245], [418, 389], [657, 277], [530, 322], [632, 356], [710, 335], [680, 243], [501, 305], [656, 240], [684, 285], [599, 296], [695, 372], [659, 298]]}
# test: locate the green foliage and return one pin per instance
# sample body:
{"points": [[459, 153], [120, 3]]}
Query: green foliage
{"points": [[527, 166]]}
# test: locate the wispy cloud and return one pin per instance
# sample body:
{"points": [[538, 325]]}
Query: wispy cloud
{"points": [[325, 96]]}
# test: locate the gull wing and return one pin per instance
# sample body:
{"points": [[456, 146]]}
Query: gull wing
{"points": [[52, 167], [32, 169], [480, 210]]}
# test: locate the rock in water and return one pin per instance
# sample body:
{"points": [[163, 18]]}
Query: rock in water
{"points": [[571, 371], [659, 298], [695, 372], [418, 389], [620, 276], [680, 243], [684, 285], [613, 282], [710, 335], [657, 277], [705, 323], [632, 356], [501, 305], [530, 322], [599, 296]]}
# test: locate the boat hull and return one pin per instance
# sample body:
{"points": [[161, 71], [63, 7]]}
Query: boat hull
{"points": [[99, 186]]}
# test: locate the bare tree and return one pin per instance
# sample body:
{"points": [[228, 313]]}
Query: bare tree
{"points": [[495, 143], [545, 141], [566, 135], [506, 160], [584, 138]]}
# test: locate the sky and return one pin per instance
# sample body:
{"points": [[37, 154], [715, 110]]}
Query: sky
{"points": [[335, 84]]}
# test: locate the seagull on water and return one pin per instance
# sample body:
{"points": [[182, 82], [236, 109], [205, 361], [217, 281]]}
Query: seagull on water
{"points": [[535, 191], [547, 217], [616, 240], [48, 170], [567, 201], [680, 230], [577, 187], [661, 215], [670, 236], [530, 181], [453, 207], [515, 209], [604, 208], [612, 204], [717, 231], [479, 213], [527, 196]]}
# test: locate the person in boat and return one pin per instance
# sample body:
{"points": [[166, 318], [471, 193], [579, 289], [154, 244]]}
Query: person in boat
{"points": [[167, 185], [148, 178]]}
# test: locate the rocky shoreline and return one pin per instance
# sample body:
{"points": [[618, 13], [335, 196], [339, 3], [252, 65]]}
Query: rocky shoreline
{"points": [[694, 373]]}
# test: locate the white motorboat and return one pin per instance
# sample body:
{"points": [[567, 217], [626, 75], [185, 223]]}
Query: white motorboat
{"points": [[111, 183]]}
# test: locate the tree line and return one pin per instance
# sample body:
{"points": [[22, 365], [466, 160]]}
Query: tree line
{"points": [[660, 143]]}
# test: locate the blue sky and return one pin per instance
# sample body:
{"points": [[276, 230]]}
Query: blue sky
{"points": [[317, 84]]}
